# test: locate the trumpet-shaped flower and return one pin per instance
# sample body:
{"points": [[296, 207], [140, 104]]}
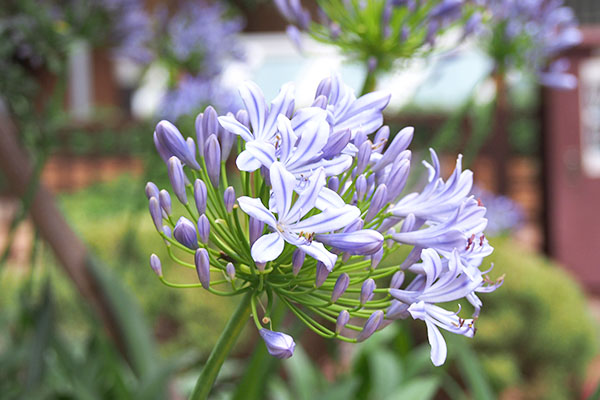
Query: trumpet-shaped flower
{"points": [[288, 226]]}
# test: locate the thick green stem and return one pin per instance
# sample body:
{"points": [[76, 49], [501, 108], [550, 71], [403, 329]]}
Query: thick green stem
{"points": [[221, 351], [370, 82]]}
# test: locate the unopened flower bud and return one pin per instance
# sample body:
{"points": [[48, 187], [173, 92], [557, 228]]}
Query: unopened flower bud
{"points": [[359, 138], [398, 145], [200, 136], [340, 287], [324, 88], [203, 228], [162, 152], [156, 265], [360, 242], [255, 227], [390, 242], [397, 280], [297, 261], [372, 324], [376, 257], [164, 200], [366, 291], [210, 123], [155, 212], [212, 157], [381, 138], [191, 146], [397, 310], [242, 117], [333, 183], [171, 140], [203, 267], [177, 178], [185, 233], [230, 270], [409, 223], [151, 190], [377, 202], [229, 198], [342, 320], [200, 196], [336, 143], [361, 187], [278, 344], [364, 155], [321, 275]]}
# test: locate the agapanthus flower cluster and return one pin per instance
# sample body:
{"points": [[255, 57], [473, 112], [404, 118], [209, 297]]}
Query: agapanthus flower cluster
{"points": [[531, 33], [504, 215], [379, 32], [315, 206], [194, 43]]}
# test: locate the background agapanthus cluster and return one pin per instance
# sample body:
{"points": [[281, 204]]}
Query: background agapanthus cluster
{"points": [[378, 33], [317, 204], [530, 34]]}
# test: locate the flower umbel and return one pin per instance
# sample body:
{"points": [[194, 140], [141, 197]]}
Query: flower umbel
{"points": [[320, 182]]}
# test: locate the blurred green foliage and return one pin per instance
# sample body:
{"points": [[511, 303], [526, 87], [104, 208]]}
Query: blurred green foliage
{"points": [[535, 332]]}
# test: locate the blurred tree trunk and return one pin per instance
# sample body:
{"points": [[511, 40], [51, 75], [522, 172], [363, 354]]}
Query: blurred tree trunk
{"points": [[68, 248], [500, 144]]}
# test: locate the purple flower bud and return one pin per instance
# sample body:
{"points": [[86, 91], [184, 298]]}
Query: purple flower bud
{"points": [[203, 228], [230, 270], [340, 287], [191, 146], [342, 320], [162, 152], [210, 123], [167, 231], [278, 344], [229, 198], [155, 212], [361, 187], [200, 136], [372, 324], [177, 178], [202, 267], [172, 142], [255, 227], [381, 138], [336, 143], [397, 178], [372, 61], [360, 138], [321, 102], [200, 196], [360, 242], [324, 88], [321, 275], [156, 265], [165, 201], [213, 159], [333, 183], [185, 233], [297, 261], [366, 291], [377, 202], [242, 117], [398, 145], [151, 190], [364, 155], [294, 34], [226, 139], [376, 258], [260, 266], [397, 280]]}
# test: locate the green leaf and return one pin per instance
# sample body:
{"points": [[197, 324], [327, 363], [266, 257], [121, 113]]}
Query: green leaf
{"points": [[417, 389], [304, 377], [386, 373], [471, 370]]}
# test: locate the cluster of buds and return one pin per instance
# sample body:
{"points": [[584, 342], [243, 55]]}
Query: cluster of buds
{"points": [[321, 206], [378, 32]]}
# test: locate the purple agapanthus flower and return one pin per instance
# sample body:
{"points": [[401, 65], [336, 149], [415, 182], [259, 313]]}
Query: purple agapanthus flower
{"points": [[324, 181]]}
